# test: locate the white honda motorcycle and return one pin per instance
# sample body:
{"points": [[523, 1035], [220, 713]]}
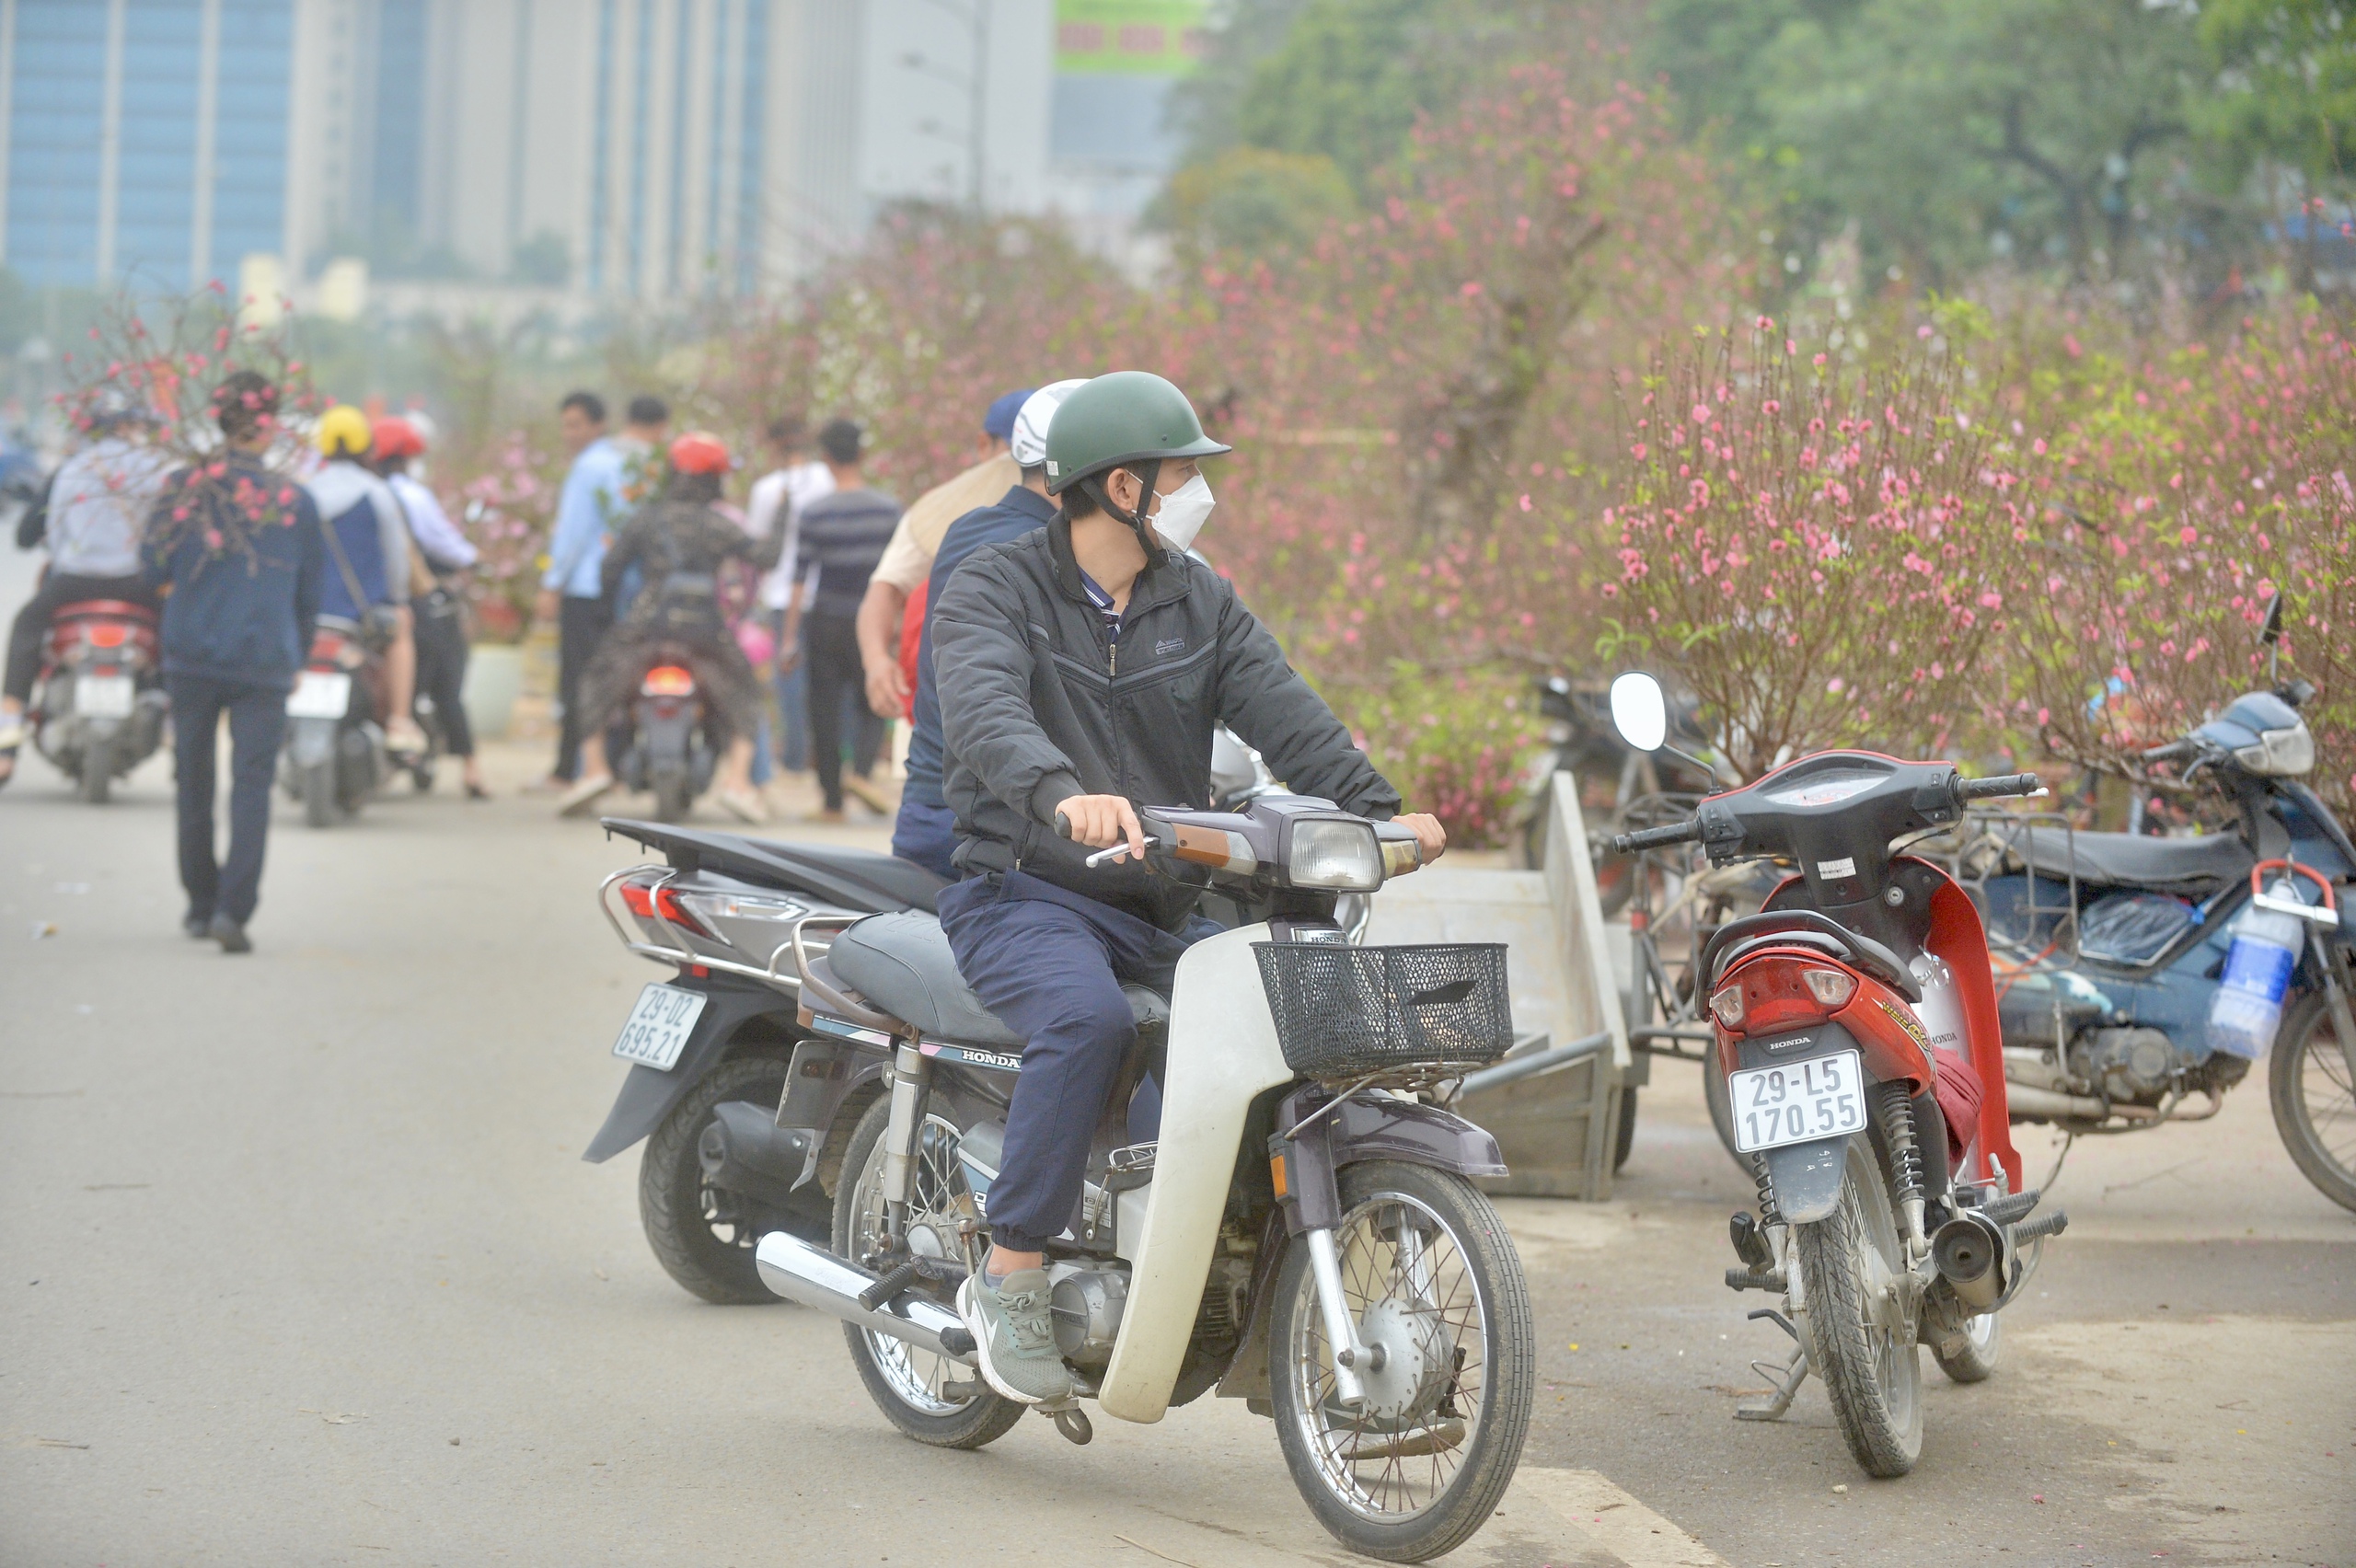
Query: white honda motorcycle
{"points": [[1304, 1233]]}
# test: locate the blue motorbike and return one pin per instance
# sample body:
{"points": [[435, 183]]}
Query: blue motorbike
{"points": [[2110, 948]]}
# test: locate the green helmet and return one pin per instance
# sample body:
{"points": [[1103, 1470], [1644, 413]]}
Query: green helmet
{"points": [[1130, 416]]}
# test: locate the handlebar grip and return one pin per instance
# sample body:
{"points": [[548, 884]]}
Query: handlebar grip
{"points": [[1652, 837], [2172, 751], [1063, 825], [2002, 784]]}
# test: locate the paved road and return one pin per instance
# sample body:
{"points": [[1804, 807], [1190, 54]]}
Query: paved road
{"points": [[299, 1264]]}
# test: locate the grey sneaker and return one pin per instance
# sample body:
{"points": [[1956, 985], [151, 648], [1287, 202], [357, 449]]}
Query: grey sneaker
{"points": [[1015, 1336]]}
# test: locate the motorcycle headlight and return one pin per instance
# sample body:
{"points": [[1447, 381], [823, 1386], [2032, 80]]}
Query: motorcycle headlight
{"points": [[1339, 855], [2280, 754]]}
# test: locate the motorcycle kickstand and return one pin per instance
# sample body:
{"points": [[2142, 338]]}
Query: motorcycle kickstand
{"points": [[1786, 1378]]}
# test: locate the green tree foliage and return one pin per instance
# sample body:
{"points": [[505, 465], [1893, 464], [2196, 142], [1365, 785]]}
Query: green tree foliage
{"points": [[2287, 89], [1948, 130], [1254, 200]]}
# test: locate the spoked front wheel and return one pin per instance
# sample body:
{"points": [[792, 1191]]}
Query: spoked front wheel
{"points": [[1861, 1328], [1427, 1271], [931, 1397]]}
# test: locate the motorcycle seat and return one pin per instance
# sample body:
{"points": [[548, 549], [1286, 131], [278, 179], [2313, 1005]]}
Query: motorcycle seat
{"points": [[2189, 867], [902, 964]]}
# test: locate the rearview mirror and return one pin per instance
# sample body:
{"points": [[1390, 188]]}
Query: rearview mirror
{"points": [[1639, 711]]}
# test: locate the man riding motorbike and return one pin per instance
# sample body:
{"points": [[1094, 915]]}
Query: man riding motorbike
{"points": [[367, 578], [92, 515], [437, 605], [1080, 669], [679, 542]]}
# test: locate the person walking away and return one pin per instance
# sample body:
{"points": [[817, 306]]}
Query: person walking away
{"points": [[797, 479], [571, 597], [367, 545], [91, 515], [926, 830], [438, 553], [679, 541], [1081, 668], [243, 556], [907, 561], [842, 536]]}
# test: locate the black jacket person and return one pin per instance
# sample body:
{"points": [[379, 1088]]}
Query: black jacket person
{"points": [[1081, 670]]}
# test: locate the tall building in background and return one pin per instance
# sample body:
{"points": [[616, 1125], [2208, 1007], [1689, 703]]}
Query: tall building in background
{"points": [[640, 150], [142, 136], [1111, 146]]}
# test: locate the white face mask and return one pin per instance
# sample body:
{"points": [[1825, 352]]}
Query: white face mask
{"points": [[1183, 512]]}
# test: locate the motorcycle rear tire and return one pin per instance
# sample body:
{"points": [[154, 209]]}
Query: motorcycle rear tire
{"points": [[1976, 1362], [2307, 1058], [1876, 1393], [98, 771], [1627, 1136], [671, 799], [671, 1198], [319, 807], [1507, 1379], [983, 1418]]}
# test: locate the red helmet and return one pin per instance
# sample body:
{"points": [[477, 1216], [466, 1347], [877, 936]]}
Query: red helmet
{"points": [[397, 437], [700, 452]]}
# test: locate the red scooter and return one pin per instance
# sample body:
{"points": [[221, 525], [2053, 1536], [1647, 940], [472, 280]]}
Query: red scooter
{"points": [[98, 704], [1855, 1019]]}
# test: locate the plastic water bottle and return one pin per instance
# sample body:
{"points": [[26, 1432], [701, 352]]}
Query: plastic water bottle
{"points": [[2248, 1007]]}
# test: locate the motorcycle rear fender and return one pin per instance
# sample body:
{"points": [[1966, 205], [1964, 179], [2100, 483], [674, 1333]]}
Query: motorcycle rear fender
{"points": [[1806, 1176], [825, 1075], [647, 1094], [310, 741]]}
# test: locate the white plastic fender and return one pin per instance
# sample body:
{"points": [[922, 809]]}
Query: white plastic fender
{"points": [[1223, 1053]]}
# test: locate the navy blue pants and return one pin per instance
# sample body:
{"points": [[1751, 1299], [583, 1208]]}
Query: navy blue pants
{"points": [[256, 723], [1050, 964], [926, 833]]}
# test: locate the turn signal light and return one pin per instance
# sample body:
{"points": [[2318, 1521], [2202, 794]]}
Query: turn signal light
{"points": [[667, 680], [1725, 1006], [1833, 988]]}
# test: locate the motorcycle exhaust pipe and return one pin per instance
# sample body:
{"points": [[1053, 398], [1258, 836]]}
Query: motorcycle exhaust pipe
{"points": [[794, 1269], [1970, 1253]]}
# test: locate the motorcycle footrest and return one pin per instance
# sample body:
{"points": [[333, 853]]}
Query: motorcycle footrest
{"points": [[2053, 1224], [873, 1298], [2004, 1211], [1762, 1279]]}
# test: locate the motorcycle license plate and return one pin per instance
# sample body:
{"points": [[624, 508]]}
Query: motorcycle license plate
{"points": [[103, 697], [319, 694], [1821, 1097], [659, 1026]]}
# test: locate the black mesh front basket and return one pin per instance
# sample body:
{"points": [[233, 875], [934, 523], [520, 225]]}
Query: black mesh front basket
{"points": [[1350, 1011]]}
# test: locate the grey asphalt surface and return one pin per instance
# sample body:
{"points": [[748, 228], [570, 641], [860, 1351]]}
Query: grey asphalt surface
{"points": [[299, 1264]]}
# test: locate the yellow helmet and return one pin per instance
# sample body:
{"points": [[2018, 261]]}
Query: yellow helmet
{"points": [[344, 431]]}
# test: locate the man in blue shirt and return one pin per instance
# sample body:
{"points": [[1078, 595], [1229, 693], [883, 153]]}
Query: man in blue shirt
{"points": [[927, 829], [241, 548]]}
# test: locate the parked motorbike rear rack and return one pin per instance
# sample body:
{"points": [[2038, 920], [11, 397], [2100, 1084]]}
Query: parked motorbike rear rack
{"points": [[685, 956]]}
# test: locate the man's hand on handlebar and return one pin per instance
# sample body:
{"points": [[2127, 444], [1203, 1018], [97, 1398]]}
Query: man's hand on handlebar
{"points": [[1103, 821], [1430, 836]]}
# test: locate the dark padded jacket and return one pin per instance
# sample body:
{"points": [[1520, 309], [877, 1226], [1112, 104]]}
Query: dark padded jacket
{"points": [[1037, 705]]}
